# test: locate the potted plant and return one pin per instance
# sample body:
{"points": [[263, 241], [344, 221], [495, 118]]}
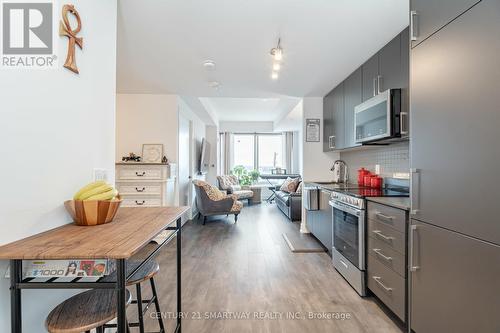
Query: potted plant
{"points": [[245, 177]]}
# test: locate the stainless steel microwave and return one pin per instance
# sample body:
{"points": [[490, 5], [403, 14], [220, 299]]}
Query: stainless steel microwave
{"points": [[380, 118]]}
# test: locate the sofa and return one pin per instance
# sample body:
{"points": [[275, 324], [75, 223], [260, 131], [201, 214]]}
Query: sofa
{"points": [[231, 185], [290, 204]]}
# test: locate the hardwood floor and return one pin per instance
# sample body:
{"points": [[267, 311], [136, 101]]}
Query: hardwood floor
{"points": [[230, 269]]}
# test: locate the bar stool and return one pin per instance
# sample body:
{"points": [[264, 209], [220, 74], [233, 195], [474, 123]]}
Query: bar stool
{"points": [[147, 272], [84, 312]]}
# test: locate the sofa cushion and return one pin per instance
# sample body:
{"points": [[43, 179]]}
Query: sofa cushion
{"points": [[290, 185], [237, 206], [283, 197], [299, 188]]}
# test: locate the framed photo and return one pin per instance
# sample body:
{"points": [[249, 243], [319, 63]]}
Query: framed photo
{"points": [[313, 130], [152, 152]]}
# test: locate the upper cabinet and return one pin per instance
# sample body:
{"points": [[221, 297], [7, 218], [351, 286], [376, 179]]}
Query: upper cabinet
{"points": [[384, 70], [388, 68], [352, 97], [428, 16]]}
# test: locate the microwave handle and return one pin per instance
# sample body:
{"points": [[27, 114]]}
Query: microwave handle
{"points": [[403, 118]]}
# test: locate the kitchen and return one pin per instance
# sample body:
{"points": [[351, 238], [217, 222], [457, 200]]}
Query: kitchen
{"points": [[403, 219]]}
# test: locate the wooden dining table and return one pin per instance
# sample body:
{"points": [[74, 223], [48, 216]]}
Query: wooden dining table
{"points": [[126, 235]]}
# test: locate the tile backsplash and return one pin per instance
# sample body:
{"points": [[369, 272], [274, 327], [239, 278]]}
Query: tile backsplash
{"points": [[392, 159]]}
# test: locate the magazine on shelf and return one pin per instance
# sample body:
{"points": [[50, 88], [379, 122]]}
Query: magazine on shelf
{"points": [[65, 270]]}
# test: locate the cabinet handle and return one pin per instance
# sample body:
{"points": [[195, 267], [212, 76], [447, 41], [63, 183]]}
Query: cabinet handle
{"points": [[343, 263], [140, 190], [379, 77], [331, 142], [379, 253], [413, 268], [415, 191], [413, 35], [140, 203], [384, 217], [403, 118], [377, 279], [374, 87], [380, 234], [140, 174]]}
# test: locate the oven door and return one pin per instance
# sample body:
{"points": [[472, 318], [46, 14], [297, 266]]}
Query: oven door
{"points": [[372, 118], [349, 233]]}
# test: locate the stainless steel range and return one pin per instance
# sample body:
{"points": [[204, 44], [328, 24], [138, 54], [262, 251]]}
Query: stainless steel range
{"points": [[348, 253], [349, 228]]}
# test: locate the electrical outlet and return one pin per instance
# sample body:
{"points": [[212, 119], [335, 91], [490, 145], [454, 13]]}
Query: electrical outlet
{"points": [[100, 174], [377, 169]]}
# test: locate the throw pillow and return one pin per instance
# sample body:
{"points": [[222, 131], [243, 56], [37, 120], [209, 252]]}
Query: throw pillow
{"points": [[235, 188], [290, 185], [299, 188]]}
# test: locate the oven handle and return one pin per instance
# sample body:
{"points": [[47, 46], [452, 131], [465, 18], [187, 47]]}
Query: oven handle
{"points": [[344, 208]]}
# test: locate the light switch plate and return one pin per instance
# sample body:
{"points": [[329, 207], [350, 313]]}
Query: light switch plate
{"points": [[100, 174]]}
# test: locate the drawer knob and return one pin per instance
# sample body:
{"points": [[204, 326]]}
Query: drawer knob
{"points": [[142, 174], [380, 254], [140, 190], [377, 279], [140, 203]]}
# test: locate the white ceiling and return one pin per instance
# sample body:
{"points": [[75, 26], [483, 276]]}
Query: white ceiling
{"points": [[249, 109], [162, 45]]}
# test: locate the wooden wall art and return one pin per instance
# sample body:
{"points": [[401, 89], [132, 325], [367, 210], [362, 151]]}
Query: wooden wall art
{"points": [[65, 29]]}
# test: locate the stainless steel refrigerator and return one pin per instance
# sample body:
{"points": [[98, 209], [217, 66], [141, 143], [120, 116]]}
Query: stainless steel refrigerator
{"points": [[455, 158]]}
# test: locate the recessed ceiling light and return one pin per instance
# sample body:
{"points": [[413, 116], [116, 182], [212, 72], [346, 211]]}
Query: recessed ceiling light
{"points": [[209, 65], [276, 66], [214, 84], [274, 76]]}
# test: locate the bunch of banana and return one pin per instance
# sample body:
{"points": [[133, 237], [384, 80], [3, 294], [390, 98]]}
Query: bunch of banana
{"points": [[96, 191]]}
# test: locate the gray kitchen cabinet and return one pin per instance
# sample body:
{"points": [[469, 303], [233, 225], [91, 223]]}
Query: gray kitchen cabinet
{"points": [[454, 282], [352, 97], [324, 223], [311, 216], [455, 82], [369, 77], [328, 123], [428, 16], [389, 71], [338, 117]]}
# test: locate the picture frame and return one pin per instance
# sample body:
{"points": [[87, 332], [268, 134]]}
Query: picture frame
{"points": [[313, 130], [152, 152]]}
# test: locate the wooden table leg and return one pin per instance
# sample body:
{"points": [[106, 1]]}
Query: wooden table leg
{"points": [[16, 275], [179, 299], [121, 299]]}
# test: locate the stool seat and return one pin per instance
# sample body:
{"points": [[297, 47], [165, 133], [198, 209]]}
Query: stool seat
{"points": [[85, 311], [150, 269]]}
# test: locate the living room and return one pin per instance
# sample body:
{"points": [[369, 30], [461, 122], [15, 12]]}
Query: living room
{"points": [[249, 166]]}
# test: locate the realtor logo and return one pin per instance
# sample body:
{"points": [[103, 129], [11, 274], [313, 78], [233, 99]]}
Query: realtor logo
{"points": [[28, 34]]}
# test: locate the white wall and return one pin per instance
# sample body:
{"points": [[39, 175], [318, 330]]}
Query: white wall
{"points": [[57, 127], [316, 164], [246, 126], [143, 118]]}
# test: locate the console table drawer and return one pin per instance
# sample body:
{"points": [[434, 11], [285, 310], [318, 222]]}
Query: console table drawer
{"points": [[141, 201], [139, 189], [140, 173]]}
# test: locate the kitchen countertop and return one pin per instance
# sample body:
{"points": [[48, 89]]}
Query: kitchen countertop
{"points": [[396, 202]]}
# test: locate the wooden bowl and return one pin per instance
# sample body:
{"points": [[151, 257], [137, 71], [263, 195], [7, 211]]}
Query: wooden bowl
{"points": [[93, 212]]}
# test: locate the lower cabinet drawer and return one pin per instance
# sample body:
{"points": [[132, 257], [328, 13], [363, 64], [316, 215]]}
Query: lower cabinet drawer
{"points": [[139, 188], [387, 285], [387, 256], [395, 239], [141, 202]]}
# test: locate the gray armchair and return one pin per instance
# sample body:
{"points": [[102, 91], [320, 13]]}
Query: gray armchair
{"points": [[210, 201]]}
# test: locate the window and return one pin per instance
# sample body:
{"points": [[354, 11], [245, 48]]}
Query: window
{"points": [[270, 153], [244, 150], [263, 152]]}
